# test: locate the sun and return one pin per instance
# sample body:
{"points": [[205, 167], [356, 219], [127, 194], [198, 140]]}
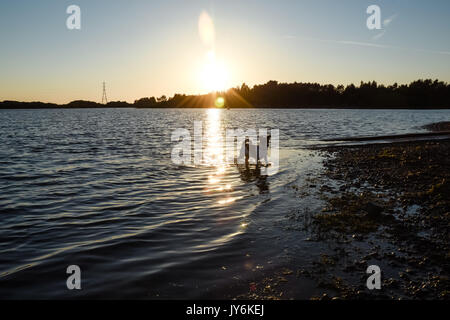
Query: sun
{"points": [[214, 74]]}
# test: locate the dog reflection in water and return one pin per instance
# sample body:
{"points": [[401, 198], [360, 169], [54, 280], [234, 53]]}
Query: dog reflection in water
{"points": [[252, 172]]}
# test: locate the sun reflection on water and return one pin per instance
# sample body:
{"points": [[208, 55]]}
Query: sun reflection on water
{"points": [[215, 156], [214, 153]]}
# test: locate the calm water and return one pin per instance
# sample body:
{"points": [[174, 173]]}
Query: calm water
{"points": [[96, 188]]}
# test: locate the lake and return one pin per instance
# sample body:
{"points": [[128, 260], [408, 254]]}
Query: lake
{"points": [[97, 188]]}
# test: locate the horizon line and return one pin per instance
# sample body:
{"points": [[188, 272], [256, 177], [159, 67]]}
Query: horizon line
{"points": [[230, 88]]}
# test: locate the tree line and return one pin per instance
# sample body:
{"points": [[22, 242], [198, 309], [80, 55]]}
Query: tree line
{"points": [[427, 94]]}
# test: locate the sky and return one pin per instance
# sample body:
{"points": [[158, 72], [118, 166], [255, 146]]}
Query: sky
{"points": [[143, 48]]}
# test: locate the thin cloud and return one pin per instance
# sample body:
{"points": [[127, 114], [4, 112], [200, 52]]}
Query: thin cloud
{"points": [[373, 45], [388, 21], [362, 44], [433, 51], [378, 36], [376, 45]]}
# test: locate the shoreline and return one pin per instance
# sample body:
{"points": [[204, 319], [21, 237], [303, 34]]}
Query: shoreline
{"points": [[394, 202], [386, 205]]}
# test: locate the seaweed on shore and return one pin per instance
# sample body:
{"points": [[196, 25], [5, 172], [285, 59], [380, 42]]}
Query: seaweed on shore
{"points": [[352, 213], [395, 195]]}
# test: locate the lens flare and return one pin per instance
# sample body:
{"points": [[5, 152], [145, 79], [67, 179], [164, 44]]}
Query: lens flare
{"points": [[220, 102], [206, 29]]}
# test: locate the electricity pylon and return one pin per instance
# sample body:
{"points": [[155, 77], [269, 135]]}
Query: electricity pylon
{"points": [[104, 98]]}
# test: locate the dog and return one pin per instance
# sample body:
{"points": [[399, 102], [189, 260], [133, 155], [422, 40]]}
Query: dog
{"points": [[245, 151]]}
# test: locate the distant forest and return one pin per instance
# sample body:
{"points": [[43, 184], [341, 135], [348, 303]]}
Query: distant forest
{"points": [[420, 94]]}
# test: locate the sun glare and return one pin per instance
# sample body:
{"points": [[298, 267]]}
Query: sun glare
{"points": [[214, 75]]}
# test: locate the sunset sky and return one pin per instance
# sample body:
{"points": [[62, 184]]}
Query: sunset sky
{"points": [[149, 48]]}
